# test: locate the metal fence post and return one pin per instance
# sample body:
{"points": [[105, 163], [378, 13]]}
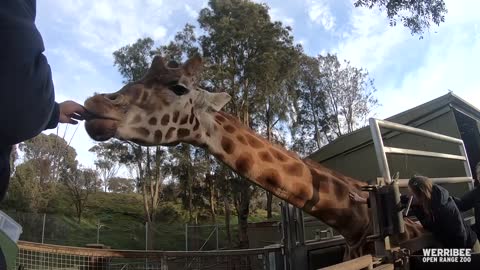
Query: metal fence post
{"points": [[43, 227], [186, 236], [146, 236], [217, 234]]}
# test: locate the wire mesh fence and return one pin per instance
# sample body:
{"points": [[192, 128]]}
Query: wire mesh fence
{"points": [[34, 256], [134, 235]]}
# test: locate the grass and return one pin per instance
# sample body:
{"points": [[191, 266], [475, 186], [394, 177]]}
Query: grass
{"points": [[123, 226]]}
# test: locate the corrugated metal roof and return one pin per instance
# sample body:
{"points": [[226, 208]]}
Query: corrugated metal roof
{"points": [[362, 136]]}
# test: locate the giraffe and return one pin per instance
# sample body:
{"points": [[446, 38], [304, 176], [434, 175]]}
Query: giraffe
{"points": [[166, 107]]}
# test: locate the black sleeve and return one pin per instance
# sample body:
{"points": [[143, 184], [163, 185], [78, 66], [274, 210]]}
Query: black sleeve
{"points": [[455, 228], [27, 99]]}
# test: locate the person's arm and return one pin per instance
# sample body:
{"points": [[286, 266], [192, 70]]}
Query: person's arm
{"points": [[27, 98], [455, 227], [357, 198]]}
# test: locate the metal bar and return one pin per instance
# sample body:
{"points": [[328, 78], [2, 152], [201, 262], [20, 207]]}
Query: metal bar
{"points": [[446, 180], [395, 150], [43, 228], [379, 150], [416, 131], [217, 235], [466, 164], [208, 238], [114, 253], [186, 237], [409, 204], [380, 249], [146, 236]]}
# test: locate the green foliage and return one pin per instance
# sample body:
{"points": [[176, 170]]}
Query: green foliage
{"points": [[133, 60], [334, 98], [80, 183], [417, 15], [183, 46], [121, 185], [108, 160]]}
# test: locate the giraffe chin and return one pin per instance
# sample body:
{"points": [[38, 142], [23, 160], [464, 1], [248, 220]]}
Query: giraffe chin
{"points": [[101, 129]]}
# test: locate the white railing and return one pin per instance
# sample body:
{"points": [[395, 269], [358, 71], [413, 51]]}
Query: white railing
{"points": [[381, 150]]}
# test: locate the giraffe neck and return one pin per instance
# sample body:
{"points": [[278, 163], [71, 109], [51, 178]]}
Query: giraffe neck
{"points": [[305, 184]]}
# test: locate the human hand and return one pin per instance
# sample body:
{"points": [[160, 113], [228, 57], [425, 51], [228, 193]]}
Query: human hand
{"points": [[69, 111], [356, 198]]}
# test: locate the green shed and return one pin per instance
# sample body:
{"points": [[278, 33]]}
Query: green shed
{"points": [[354, 154]]}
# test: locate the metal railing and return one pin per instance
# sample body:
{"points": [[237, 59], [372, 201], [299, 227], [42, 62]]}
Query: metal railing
{"points": [[381, 150], [36, 256]]}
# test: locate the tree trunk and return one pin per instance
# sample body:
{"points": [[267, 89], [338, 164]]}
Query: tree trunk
{"points": [[190, 195], [243, 209], [269, 194], [151, 235], [210, 182], [269, 204]]}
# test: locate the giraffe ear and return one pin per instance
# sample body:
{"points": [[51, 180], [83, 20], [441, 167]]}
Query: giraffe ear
{"points": [[217, 101], [193, 65]]}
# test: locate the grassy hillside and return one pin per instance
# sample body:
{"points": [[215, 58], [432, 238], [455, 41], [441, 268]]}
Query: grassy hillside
{"points": [[123, 227]]}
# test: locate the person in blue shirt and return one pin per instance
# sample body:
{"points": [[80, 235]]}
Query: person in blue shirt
{"points": [[27, 96]]}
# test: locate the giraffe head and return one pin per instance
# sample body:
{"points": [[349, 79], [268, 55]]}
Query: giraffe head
{"points": [[162, 108]]}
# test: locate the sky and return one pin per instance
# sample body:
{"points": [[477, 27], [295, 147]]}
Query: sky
{"points": [[81, 35]]}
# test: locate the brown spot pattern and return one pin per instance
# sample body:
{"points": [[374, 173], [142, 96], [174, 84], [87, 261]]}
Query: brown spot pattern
{"points": [[158, 136], [165, 119], [197, 124], [320, 181], [242, 139], [175, 116], [227, 145], [278, 155], [152, 121], [270, 177], [254, 142], [220, 118], [244, 162], [184, 120], [265, 156], [229, 128], [169, 133], [191, 116], [182, 133], [295, 169], [340, 189], [142, 131]]}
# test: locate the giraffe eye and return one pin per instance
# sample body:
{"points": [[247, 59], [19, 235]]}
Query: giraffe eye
{"points": [[179, 89]]}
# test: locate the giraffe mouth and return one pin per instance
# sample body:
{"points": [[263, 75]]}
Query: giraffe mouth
{"points": [[89, 115]]}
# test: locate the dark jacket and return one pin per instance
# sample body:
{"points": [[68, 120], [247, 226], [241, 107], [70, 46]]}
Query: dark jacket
{"points": [[447, 224], [27, 99]]}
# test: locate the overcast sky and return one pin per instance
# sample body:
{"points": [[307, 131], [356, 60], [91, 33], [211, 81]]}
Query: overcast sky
{"points": [[80, 36]]}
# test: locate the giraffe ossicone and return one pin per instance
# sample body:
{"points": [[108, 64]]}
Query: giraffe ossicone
{"points": [[166, 107]]}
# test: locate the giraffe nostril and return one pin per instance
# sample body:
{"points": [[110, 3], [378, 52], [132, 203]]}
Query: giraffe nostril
{"points": [[114, 98]]}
